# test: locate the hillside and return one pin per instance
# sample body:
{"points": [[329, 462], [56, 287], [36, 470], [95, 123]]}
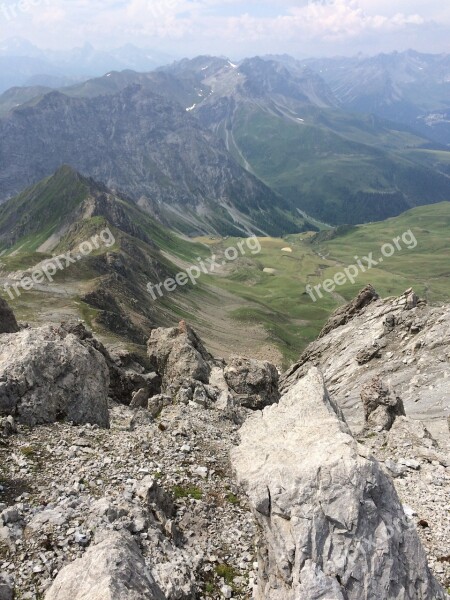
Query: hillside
{"points": [[257, 303], [286, 126], [288, 123], [107, 287], [147, 147]]}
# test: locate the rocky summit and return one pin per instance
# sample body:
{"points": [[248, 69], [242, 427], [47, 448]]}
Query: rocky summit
{"points": [[180, 475]]}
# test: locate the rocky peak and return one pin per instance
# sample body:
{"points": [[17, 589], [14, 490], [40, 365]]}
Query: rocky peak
{"points": [[401, 340], [345, 313]]}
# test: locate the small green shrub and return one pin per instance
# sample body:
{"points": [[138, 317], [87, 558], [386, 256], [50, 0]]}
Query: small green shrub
{"points": [[28, 451], [227, 572], [192, 491], [232, 498]]}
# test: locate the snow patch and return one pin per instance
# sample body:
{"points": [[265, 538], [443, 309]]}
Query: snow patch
{"points": [[191, 107]]}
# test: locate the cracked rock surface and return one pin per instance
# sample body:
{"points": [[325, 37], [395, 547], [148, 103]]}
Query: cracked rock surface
{"points": [[331, 521]]}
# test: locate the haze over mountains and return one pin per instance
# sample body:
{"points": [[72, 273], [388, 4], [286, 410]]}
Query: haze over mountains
{"points": [[208, 145], [22, 63]]}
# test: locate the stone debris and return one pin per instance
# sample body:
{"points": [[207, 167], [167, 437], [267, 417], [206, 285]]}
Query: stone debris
{"points": [[171, 488], [150, 508]]}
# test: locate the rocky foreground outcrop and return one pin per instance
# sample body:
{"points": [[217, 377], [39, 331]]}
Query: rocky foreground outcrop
{"points": [[189, 373], [113, 569], [331, 522], [48, 375], [401, 341], [150, 509]]}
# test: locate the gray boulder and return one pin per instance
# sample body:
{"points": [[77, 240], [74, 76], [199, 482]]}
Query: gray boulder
{"points": [[126, 375], [8, 323], [331, 522], [177, 354], [114, 569], [48, 375], [381, 405], [254, 382]]}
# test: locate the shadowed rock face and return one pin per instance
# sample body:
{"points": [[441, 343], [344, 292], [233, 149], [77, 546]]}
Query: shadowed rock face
{"points": [[255, 382], [8, 323], [48, 375], [332, 525]]}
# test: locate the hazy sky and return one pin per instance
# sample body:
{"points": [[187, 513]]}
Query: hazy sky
{"points": [[231, 27]]}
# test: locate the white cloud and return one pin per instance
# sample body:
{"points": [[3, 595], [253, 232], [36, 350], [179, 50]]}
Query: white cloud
{"points": [[194, 26]]}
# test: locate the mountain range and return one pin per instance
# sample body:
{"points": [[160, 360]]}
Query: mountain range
{"points": [[23, 64], [272, 144], [146, 146], [407, 87]]}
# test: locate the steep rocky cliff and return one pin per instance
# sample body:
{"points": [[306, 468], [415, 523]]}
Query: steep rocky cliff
{"points": [[146, 146], [402, 341]]}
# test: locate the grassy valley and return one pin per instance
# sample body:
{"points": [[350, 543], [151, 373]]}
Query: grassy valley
{"points": [[255, 305]]}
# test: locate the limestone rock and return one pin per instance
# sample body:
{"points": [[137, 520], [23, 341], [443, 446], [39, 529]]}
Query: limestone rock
{"points": [[177, 354], [331, 523], [48, 375], [407, 347], [345, 313], [126, 375], [254, 382], [8, 323], [381, 405], [139, 399], [407, 431], [114, 569], [6, 587], [7, 426]]}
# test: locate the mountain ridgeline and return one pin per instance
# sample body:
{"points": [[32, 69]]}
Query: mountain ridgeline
{"points": [[146, 146], [59, 213], [209, 146]]}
